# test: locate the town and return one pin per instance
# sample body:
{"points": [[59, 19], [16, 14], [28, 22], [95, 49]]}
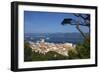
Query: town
{"points": [[44, 47]]}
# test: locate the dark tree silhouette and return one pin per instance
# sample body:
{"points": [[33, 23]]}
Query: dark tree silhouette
{"points": [[82, 19]]}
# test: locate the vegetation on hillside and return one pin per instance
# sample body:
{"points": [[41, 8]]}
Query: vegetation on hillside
{"points": [[82, 50]]}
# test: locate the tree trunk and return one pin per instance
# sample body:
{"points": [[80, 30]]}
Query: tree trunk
{"points": [[78, 28]]}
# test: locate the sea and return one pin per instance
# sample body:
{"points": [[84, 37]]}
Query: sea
{"points": [[74, 38]]}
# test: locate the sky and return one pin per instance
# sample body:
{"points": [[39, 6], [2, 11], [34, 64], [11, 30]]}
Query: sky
{"points": [[48, 22]]}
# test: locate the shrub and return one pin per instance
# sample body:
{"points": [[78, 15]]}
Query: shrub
{"points": [[72, 55], [27, 52], [48, 56], [83, 50]]}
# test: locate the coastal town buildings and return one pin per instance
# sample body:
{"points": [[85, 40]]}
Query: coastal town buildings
{"points": [[44, 47]]}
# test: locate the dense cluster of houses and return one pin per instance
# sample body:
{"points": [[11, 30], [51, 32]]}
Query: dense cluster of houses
{"points": [[44, 47]]}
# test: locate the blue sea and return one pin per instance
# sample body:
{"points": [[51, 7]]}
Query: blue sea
{"points": [[54, 37]]}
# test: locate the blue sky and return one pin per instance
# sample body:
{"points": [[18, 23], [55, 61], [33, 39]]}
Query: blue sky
{"points": [[48, 22]]}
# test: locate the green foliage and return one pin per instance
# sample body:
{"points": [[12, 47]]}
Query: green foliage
{"points": [[72, 55], [82, 49], [27, 52], [55, 56], [51, 55]]}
